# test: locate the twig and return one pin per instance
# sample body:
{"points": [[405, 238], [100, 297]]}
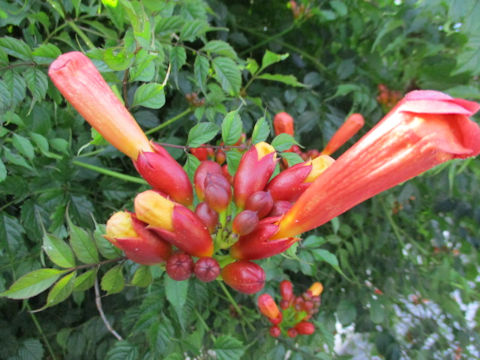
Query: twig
{"points": [[98, 302], [40, 330], [124, 86]]}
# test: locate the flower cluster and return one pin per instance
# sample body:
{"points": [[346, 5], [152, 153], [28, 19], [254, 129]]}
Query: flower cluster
{"points": [[388, 98], [221, 223], [295, 311]]}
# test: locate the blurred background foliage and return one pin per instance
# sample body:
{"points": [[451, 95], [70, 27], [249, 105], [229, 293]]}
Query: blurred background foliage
{"points": [[400, 271]]}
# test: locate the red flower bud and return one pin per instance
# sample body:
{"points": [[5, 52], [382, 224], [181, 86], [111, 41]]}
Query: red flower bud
{"points": [[207, 269], [201, 153], [257, 244], [268, 307], [227, 174], [207, 215], [349, 128], [261, 202], [174, 223], [205, 168], [245, 222], [284, 304], [275, 331], [141, 245], [305, 328], [283, 124], [165, 174], [244, 276], [286, 290], [217, 197], [316, 289], [254, 171], [220, 157], [292, 332], [280, 207], [179, 266]]}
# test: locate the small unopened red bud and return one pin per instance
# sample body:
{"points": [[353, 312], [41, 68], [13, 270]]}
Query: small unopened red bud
{"points": [[220, 157], [201, 153], [286, 290], [312, 154], [205, 168], [206, 269], [308, 306], [284, 304], [227, 174], [179, 266], [283, 124], [217, 197], [268, 307], [244, 276], [208, 216], [292, 332], [261, 202], [280, 207], [245, 222], [348, 129], [305, 328], [275, 331], [277, 320]]}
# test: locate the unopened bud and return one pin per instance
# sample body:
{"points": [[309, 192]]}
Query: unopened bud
{"points": [[245, 222], [179, 266], [261, 202]]}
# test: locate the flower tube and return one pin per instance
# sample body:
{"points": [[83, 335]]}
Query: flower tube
{"points": [[138, 243], [425, 129], [349, 128], [174, 223]]}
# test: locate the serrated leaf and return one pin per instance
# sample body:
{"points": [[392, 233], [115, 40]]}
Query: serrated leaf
{"points": [[85, 281], [176, 292], [31, 349], [220, 47], [228, 348], [233, 160], [46, 53], [313, 241], [3, 171], [16, 48], [16, 88], [23, 146], [150, 96], [202, 133], [283, 142], [105, 247], [33, 283], [261, 131], [122, 350], [191, 165], [117, 61], [142, 277], [58, 251], [201, 68], [82, 244], [170, 24], [61, 290], [328, 257], [193, 29], [178, 58], [37, 82], [113, 281], [15, 159], [227, 74], [292, 158], [285, 79], [232, 128], [270, 58]]}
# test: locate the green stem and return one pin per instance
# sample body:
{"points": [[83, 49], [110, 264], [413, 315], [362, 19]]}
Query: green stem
{"points": [[170, 121], [234, 304], [40, 330], [266, 38], [94, 152], [111, 173], [81, 34], [204, 324]]}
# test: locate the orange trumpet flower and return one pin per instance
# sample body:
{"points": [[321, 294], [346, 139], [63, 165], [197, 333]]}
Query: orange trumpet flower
{"points": [[349, 128], [425, 129]]}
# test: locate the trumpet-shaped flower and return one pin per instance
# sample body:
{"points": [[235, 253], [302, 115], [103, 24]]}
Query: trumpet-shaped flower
{"points": [[349, 128], [425, 129]]}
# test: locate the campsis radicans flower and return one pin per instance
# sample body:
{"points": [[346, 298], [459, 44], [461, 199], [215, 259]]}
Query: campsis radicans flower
{"points": [[292, 182], [138, 243], [283, 123], [269, 308], [179, 266], [174, 223], [425, 129], [79, 81], [244, 276], [256, 166], [205, 168], [348, 129]]}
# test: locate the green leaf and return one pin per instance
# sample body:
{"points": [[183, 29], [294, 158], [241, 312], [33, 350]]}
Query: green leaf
{"points": [[191, 165], [292, 158], [150, 96], [252, 66], [142, 277], [285, 79], [122, 350], [261, 131], [46, 53], [31, 349], [40, 141], [377, 312], [283, 142], [220, 47], [313, 241], [178, 58], [270, 58], [346, 312], [118, 61], [24, 146], [61, 290], [113, 281], [339, 7], [16, 48], [228, 348], [106, 248], [227, 74], [15, 159], [144, 69], [328, 257], [233, 160], [58, 251], [33, 283], [85, 281], [82, 244], [468, 60], [37, 82], [3, 171], [201, 68], [61, 145], [345, 89], [232, 128], [176, 292], [170, 24], [202, 133], [464, 91], [193, 29], [15, 85]]}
